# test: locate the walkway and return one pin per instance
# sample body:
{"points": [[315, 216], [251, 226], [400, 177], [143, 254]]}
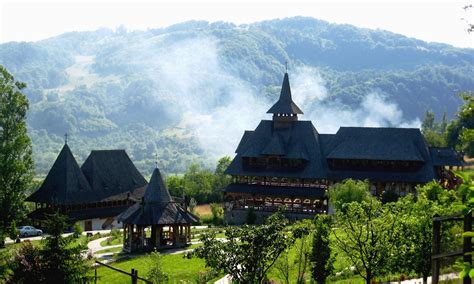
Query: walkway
{"points": [[94, 246], [444, 277]]}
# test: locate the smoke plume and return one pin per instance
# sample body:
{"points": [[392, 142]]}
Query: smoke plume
{"points": [[217, 106]]}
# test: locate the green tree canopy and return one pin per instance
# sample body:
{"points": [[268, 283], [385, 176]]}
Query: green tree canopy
{"points": [[16, 163], [366, 235], [249, 252], [348, 191], [460, 130], [59, 260]]}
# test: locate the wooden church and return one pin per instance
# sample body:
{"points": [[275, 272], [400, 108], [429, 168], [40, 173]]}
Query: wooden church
{"points": [[94, 194], [285, 161]]}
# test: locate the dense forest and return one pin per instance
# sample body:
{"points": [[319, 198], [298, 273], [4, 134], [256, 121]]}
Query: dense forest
{"points": [[187, 92]]}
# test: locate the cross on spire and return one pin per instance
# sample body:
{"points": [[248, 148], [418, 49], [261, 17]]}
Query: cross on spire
{"points": [[156, 160], [65, 138], [286, 66]]}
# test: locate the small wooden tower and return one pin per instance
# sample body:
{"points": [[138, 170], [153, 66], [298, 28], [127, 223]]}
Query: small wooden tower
{"points": [[284, 110], [157, 221]]}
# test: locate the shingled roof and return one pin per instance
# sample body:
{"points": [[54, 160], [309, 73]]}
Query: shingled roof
{"points": [[383, 143], [379, 143], [65, 183], [111, 172], [156, 190], [299, 140], [157, 207], [443, 156], [285, 104]]}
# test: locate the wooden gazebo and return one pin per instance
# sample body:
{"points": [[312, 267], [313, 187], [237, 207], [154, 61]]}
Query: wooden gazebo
{"points": [[157, 221]]}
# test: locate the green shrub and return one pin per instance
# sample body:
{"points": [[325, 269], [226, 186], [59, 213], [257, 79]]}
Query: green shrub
{"points": [[206, 276], [77, 228], [155, 268], [217, 214]]}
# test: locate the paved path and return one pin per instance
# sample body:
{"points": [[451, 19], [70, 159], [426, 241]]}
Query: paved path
{"points": [[10, 241], [224, 280], [443, 277], [227, 280], [94, 246]]}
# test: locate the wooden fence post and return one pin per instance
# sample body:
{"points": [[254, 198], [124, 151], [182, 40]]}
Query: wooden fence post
{"points": [[435, 250], [134, 278], [467, 243]]}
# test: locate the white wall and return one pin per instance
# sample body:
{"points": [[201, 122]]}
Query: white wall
{"points": [[98, 222]]}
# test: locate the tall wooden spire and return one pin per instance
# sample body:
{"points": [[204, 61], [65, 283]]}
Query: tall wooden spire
{"points": [[285, 109]]}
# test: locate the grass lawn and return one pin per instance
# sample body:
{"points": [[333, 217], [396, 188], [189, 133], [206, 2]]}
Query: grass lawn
{"points": [[112, 241], [203, 210], [467, 170], [117, 249], [10, 247], [176, 266]]}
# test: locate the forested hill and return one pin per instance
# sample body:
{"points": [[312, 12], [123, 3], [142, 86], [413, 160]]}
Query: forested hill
{"points": [[188, 91]]}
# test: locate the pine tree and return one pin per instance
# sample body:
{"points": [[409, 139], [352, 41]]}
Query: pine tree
{"points": [[322, 263], [62, 261]]}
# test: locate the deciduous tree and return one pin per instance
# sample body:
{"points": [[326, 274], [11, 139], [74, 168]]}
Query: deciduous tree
{"points": [[348, 191], [460, 129], [16, 163], [365, 235], [249, 252]]}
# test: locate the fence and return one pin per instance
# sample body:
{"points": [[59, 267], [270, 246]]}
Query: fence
{"points": [[133, 273], [465, 251]]}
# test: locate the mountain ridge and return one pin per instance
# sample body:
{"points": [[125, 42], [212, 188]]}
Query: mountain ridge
{"points": [[172, 90]]}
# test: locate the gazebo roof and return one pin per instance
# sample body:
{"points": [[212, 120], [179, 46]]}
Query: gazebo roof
{"points": [[157, 207]]}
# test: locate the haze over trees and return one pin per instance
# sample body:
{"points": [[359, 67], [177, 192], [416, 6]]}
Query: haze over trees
{"points": [[177, 91]]}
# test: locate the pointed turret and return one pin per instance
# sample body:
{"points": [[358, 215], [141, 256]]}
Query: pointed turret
{"points": [[156, 190], [285, 109], [65, 183]]}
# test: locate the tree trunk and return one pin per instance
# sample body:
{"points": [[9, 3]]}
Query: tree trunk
{"points": [[368, 276], [425, 279]]}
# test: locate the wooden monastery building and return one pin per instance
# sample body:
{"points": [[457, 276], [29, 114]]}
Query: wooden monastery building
{"points": [[94, 194], [285, 161]]}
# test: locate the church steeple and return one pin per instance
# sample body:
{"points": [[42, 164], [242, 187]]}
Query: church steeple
{"points": [[285, 109]]}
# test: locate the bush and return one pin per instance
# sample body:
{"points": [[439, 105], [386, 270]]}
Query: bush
{"points": [[206, 220], [77, 228], [206, 276], [58, 261], [27, 266], [155, 268], [217, 214]]}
